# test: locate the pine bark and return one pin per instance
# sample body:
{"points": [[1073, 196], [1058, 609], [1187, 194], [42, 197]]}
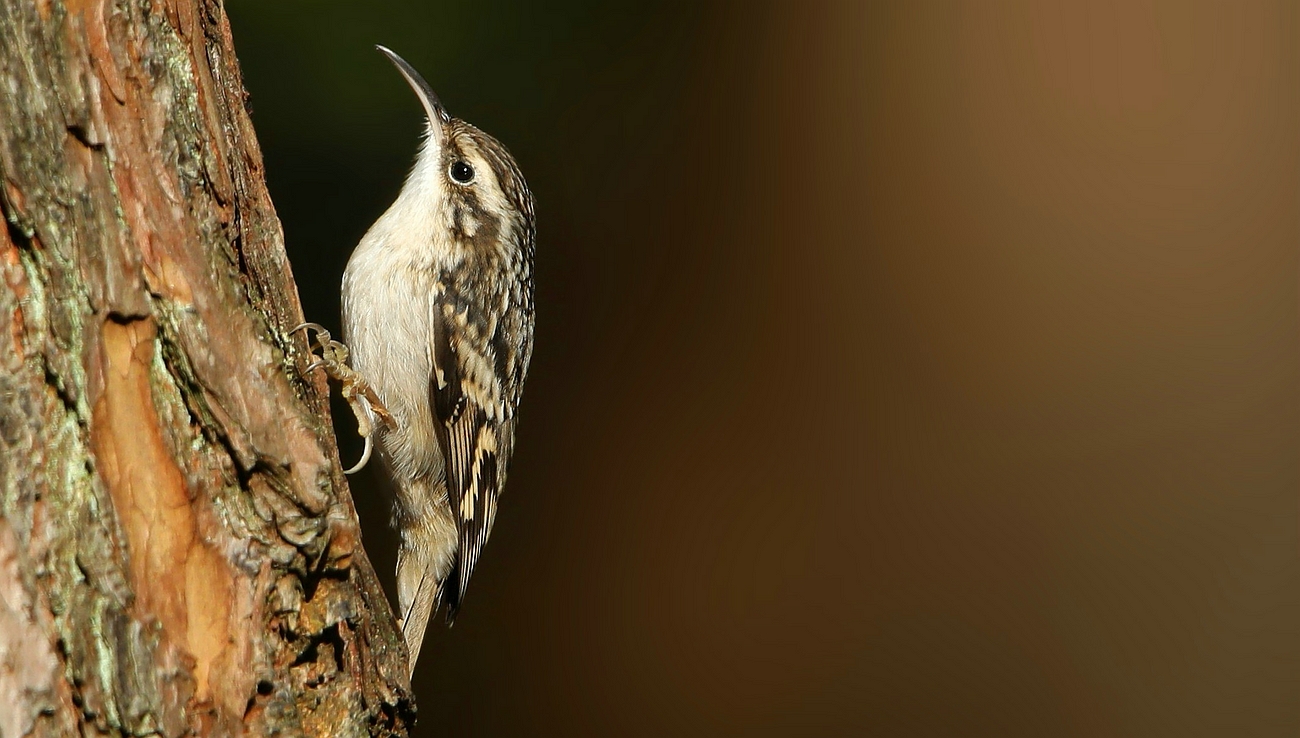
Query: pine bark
{"points": [[179, 553]]}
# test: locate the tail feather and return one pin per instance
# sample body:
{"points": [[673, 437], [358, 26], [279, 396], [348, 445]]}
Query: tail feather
{"points": [[423, 560], [415, 615]]}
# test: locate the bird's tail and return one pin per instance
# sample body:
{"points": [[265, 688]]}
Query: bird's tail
{"points": [[423, 560]]}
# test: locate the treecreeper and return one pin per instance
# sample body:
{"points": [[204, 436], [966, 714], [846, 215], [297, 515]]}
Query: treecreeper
{"points": [[438, 329]]}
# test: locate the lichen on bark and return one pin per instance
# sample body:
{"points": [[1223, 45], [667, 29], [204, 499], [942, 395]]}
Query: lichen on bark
{"points": [[178, 548]]}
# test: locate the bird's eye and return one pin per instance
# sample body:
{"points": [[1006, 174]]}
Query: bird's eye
{"points": [[461, 172]]}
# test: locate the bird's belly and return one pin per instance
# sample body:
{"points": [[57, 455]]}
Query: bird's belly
{"points": [[389, 344]]}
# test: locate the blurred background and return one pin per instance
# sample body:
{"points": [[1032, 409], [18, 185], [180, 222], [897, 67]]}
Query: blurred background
{"points": [[902, 368]]}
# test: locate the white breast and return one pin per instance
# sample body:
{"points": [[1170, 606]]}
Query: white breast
{"points": [[387, 327]]}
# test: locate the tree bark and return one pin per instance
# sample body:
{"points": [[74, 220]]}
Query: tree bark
{"points": [[179, 552]]}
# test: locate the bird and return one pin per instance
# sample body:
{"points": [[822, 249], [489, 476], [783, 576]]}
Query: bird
{"points": [[438, 319]]}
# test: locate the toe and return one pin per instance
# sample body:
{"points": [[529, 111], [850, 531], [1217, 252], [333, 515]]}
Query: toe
{"points": [[307, 327]]}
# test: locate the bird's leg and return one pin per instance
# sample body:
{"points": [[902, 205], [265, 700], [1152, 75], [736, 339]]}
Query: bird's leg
{"points": [[361, 397]]}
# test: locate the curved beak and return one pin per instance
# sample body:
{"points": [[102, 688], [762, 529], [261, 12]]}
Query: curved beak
{"points": [[428, 98]]}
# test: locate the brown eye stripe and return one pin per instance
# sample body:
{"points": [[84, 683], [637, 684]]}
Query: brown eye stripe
{"points": [[503, 167]]}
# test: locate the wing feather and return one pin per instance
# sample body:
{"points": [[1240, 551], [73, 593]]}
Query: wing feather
{"points": [[475, 430]]}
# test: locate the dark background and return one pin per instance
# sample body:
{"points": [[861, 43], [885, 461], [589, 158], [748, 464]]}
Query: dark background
{"points": [[906, 369]]}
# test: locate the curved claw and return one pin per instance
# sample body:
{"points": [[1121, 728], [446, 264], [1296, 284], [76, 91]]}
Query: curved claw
{"points": [[365, 456], [308, 326], [333, 359]]}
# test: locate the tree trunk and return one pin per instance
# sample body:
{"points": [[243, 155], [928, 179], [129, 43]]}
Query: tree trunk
{"points": [[179, 552]]}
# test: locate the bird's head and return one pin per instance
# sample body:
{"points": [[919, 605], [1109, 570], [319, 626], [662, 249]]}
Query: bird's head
{"points": [[465, 185]]}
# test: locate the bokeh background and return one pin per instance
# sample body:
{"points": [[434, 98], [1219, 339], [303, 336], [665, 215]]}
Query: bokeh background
{"points": [[902, 368]]}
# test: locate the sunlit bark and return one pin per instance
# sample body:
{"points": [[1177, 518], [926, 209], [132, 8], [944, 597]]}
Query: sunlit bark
{"points": [[178, 549]]}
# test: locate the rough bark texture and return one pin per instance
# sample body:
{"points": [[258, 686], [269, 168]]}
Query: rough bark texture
{"points": [[178, 549]]}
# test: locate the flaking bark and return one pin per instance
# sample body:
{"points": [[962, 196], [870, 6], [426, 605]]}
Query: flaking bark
{"points": [[178, 549]]}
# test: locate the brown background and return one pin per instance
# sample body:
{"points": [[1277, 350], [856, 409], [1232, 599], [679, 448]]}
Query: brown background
{"points": [[906, 369]]}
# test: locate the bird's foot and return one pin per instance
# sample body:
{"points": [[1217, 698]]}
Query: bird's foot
{"points": [[366, 405]]}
